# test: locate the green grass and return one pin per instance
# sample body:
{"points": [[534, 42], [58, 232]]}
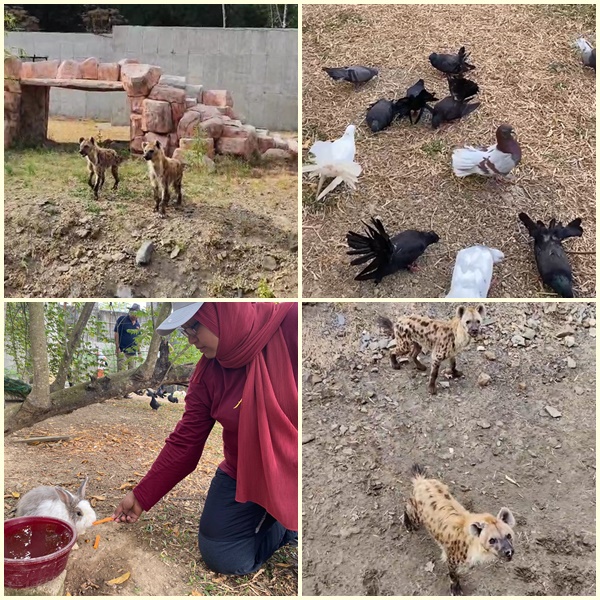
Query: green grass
{"points": [[264, 291], [433, 147]]}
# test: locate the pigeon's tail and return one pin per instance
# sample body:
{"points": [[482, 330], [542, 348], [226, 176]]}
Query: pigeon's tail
{"points": [[562, 285], [469, 108], [584, 46], [336, 73], [375, 246], [532, 228], [465, 160]]}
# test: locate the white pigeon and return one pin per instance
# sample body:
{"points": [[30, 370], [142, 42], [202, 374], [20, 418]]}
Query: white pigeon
{"points": [[472, 273], [588, 54], [334, 159], [499, 159]]}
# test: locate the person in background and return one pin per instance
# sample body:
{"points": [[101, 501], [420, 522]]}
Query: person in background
{"points": [[247, 380], [126, 331]]}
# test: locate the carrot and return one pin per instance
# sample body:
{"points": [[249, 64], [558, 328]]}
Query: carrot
{"points": [[102, 521], [96, 542]]}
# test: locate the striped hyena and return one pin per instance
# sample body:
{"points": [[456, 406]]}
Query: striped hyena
{"points": [[163, 171], [444, 339], [465, 538], [98, 160]]}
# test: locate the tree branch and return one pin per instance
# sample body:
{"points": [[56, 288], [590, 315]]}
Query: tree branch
{"points": [[39, 398]]}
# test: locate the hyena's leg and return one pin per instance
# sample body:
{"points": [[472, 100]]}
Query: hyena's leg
{"points": [[435, 369], [455, 371], [177, 186], [414, 354], [411, 516], [99, 180], [394, 359], [164, 195], [114, 169], [90, 168], [455, 588]]}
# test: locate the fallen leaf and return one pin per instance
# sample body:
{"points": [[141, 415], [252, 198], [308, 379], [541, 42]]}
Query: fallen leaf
{"points": [[258, 574], [99, 498], [15, 494], [283, 565], [511, 480], [126, 486], [119, 580], [195, 593]]}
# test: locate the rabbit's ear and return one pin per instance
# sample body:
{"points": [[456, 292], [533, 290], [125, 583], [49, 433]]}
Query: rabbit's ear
{"points": [[82, 488], [64, 495]]}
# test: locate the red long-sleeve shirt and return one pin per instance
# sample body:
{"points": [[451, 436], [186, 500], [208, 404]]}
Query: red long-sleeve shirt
{"points": [[212, 399]]}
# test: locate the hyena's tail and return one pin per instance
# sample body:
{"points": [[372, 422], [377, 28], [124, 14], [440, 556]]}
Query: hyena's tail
{"points": [[386, 325], [417, 471]]}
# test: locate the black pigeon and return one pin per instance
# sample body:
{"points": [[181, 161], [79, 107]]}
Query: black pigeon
{"points": [[450, 109], [552, 261], [451, 63], [387, 255], [356, 74], [154, 404], [380, 115], [172, 398], [160, 392], [462, 89], [150, 392], [416, 99]]}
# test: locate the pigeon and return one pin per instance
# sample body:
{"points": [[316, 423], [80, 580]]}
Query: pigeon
{"points": [[334, 159], [472, 273], [150, 392], [160, 392], [387, 255], [416, 99], [449, 109], [380, 115], [172, 398], [154, 404], [588, 54], [356, 74], [462, 89], [451, 63], [552, 261], [499, 159]]}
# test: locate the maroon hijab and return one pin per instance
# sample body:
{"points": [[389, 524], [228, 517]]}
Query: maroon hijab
{"points": [[250, 336]]}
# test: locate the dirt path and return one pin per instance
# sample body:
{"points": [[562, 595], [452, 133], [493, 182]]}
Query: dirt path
{"points": [[529, 75], [115, 443], [235, 235], [369, 424]]}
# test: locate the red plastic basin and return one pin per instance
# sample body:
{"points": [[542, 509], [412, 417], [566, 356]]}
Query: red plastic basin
{"points": [[36, 550]]}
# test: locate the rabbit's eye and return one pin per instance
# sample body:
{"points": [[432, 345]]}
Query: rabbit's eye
{"points": [[79, 513]]}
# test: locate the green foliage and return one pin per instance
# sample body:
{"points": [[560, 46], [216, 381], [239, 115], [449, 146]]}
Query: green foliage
{"points": [[264, 291]]}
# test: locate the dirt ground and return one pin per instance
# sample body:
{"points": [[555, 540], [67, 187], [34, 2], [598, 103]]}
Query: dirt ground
{"points": [[115, 444], [364, 425], [529, 74], [234, 236]]}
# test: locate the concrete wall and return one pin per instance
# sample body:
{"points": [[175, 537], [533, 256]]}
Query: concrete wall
{"points": [[258, 66]]}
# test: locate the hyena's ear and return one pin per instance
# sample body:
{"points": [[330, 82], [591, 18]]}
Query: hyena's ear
{"points": [[157, 144], [460, 311], [476, 528], [81, 139], [505, 515], [481, 310], [93, 141]]}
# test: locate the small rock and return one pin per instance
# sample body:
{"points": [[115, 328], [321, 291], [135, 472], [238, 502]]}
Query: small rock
{"points": [[429, 566], [553, 412], [489, 355], [483, 379], [528, 333], [579, 390], [564, 333], [571, 363], [444, 384], [269, 263], [374, 346], [64, 268], [592, 332], [484, 424], [144, 254], [522, 386], [532, 453], [341, 320], [308, 437], [346, 532], [383, 344], [375, 370], [175, 252], [480, 348], [343, 429], [82, 232], [391, 344], [517, 340], [316, 379], [569, 341]]}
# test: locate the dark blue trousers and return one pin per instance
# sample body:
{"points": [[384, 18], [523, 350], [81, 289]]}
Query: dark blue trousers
{"points": [[237, 538]]}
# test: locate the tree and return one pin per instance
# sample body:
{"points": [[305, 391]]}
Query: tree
{"points": [[156, 369]]}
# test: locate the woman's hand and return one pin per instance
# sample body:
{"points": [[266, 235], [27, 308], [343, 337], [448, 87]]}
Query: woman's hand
{"points": [[129, 510]]}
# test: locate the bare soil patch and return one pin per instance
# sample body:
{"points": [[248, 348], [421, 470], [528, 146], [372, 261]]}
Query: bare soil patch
{"points": [[530, 76], [115, 443], [369, 424], [235, 234]]}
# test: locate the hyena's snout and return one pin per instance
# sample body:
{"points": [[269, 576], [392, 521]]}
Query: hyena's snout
{"points": [[473, 329], [506, 551], [148, 155]]}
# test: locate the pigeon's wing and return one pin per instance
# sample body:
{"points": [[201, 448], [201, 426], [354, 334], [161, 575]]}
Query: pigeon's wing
{"points": [[408, 246], [416, 89], [322, 152], [572, 229], [336, 73], [360, 74], [532, 228]]}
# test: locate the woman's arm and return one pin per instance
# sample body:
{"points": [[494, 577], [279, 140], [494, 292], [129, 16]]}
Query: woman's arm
{"points": [[182, 450]]}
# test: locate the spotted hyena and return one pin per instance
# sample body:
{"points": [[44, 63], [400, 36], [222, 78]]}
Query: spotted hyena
{"points": [[98, 160], [163, 172], [444, 339], [466, 538]]}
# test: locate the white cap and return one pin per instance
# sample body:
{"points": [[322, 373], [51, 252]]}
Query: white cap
{"points": [[182, 313]]}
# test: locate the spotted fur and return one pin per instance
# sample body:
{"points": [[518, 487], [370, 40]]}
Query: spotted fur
{"points": [[163, 172], [98, 161], [466, 538], [444, 339]]}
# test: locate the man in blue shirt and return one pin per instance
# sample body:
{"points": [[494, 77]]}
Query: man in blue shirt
{"points": [[126, 332]]}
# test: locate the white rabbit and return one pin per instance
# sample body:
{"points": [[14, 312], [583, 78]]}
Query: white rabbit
{"points": [[46, 501]]}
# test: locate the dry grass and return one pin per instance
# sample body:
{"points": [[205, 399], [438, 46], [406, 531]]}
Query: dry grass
{"points": [[529, 76]]}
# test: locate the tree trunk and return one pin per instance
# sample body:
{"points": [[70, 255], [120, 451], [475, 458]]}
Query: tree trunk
{"points": [[284, 23], [156, 370], [72, 344], [39, 398], [224, 16]]}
